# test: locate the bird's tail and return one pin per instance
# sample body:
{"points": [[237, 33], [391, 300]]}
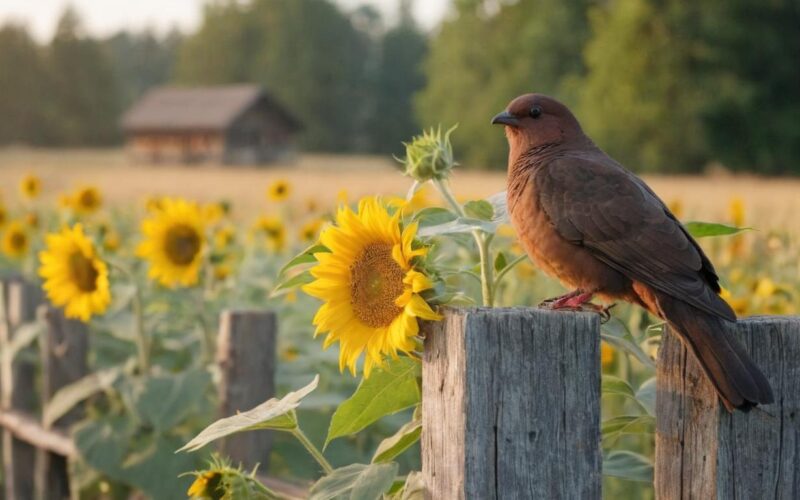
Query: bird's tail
{"points": [[737, 380]]}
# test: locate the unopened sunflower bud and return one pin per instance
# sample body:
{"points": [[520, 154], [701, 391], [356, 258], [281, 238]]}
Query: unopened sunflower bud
{"points": [[430, 155]]}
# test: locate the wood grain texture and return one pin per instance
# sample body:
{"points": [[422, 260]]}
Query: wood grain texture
{"points": [[64, 349], [246, 357], [511, 405], [702, 451], [20, 300]]}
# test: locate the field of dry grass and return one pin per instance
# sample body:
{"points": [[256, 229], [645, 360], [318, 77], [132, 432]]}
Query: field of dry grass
{"points": [[770, 203]]}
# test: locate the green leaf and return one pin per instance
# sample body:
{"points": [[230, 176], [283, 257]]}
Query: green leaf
{"points": [[646, 395], [615, 333], [402, 440], [499, 202], [457, 226], [388, 390], [295, 281], [277, 414], [704, 229], [500, 262], [413, 488], [356, 482], [24, 335], [70, 395], [616, 385], [433, 216], [304, 257], [115, 446], [480, 209], [627, 424], [628, 465], [165, 401]]}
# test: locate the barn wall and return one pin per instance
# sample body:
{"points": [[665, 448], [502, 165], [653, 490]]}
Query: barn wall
{"points": [[176, 147]]}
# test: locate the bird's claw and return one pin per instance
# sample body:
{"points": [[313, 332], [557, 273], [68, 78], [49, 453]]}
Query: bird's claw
{"points": [[602, 310]]}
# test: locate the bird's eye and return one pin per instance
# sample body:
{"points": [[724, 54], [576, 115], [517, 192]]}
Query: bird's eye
{"points": [[536, 111]]}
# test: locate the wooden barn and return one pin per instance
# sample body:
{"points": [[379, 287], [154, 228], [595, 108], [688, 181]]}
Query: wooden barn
{"points": [[224, 124]]}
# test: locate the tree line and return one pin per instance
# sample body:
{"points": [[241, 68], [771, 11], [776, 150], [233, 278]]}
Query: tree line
{"points": [[662, 85]]}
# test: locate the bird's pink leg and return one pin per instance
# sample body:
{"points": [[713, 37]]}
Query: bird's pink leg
{"points": [[559, 301]]}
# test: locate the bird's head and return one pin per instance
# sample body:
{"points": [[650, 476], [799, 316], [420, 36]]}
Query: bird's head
{"points": [[533, 120]]}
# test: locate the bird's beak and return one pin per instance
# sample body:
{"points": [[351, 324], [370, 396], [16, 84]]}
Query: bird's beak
{"points": [[505, 118]]}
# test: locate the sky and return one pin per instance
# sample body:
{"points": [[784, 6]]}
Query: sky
{"points": [[103, 17]]}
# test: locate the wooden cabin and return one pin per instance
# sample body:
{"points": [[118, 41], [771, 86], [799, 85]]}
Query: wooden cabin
{"points": [[224, 124]]}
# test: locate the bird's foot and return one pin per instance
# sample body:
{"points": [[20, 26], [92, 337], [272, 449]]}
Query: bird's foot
{"points": [[578, 301], [558, 302]]}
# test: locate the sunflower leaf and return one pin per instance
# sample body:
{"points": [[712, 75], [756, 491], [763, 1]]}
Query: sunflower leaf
{"points": [[388, 390], [275, 414], [705, 229], [628, 465], [70, 395], [304, 257], [355, 481], [402, 440], [480, 209], [295, 281]]}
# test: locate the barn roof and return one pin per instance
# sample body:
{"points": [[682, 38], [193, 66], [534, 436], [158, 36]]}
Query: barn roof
{"points": [[193, 108]]}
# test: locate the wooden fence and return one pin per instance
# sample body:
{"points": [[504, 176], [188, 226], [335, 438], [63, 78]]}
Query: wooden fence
{"points": [[511, 409], [511, 406]]}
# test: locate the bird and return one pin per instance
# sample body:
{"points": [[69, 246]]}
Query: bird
{"points": [[594, 225]]}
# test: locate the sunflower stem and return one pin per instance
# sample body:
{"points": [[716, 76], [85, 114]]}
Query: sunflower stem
{"points": [[312, 450], [482, 240], [141, 339]]}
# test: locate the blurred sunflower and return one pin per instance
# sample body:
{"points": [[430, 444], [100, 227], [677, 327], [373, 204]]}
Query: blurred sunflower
{"points": [[87, 200], [30, 186], [736, 211], [111, 241], [676, 207], [606, 355], [3, 215], [310, 230], [369, 286], [274, 232], [15, 240], [31, 219], [279, 190], [153, 203], [342, 197], [224, 237], [74, 276], [206, 485], [174, 243], [214, 212]]}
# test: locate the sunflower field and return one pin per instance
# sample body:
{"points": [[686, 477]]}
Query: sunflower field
{"points": [[351, 284]]}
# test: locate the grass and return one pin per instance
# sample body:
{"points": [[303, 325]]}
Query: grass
{"points": [[771, 203]]}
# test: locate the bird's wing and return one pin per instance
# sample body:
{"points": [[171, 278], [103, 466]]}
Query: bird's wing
{"points": [[603, 207]]}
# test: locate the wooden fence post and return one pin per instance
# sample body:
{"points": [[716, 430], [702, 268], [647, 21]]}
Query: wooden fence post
{"points": [[246, 357], [64, 348], [702, 451], [20, 300], [511, 405]]}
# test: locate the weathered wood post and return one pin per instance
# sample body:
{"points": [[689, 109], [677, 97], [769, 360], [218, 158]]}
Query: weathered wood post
{"points": [[64, 348], [246, 357], [511, 405], [702, 451], [17, 392]]}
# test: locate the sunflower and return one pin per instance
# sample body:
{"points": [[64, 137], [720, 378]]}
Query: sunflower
{"points": [[74, 277], [279, 190], [86, 200], [31, 219], [30, 186], [310, 230], [15, 240], [369, 286], [174, 243], [273, 230], [206, 485], [3, 215], [224, 237]]}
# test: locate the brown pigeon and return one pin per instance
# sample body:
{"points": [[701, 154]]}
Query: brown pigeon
{"points": [[585, 219]]}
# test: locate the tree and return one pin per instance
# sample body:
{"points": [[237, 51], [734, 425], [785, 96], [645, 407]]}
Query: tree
{"points": [[85, 99], [640, 99], [483, 57], [398, 77], [23, 95]]}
